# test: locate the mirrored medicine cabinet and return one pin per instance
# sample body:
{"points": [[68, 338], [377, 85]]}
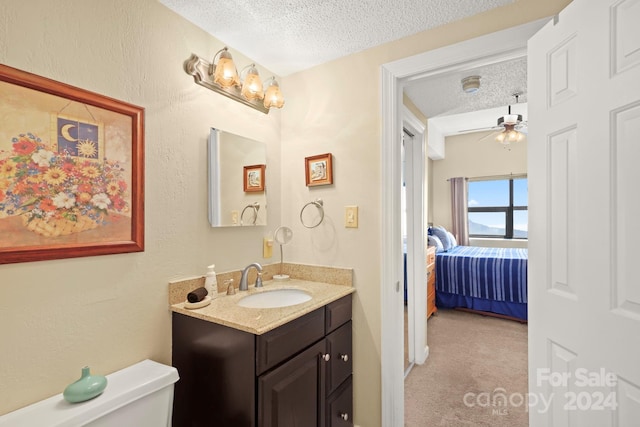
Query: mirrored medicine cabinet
{"points": [[237, 180]]}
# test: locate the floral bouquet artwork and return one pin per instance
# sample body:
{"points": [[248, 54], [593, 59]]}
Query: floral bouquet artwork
{"points": [[57, 193]]}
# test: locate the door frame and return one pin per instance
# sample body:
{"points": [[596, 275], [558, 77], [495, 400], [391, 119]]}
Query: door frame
{"points": [[499, 46], [415, 155]]}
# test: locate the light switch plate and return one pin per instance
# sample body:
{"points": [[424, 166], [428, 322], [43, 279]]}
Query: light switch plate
{"points": [[267, 248], [351, 216]]}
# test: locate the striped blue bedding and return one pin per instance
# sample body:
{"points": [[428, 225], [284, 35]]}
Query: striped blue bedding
{"points": [[489, 279]]}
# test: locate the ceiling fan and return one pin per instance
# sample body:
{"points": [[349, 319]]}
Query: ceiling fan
{"points": [[510, 127]]}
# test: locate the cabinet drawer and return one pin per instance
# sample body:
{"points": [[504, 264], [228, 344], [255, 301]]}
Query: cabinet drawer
{"points": [[340, 406], [337, 313], [431, 255], [281, 343], [341, 362], [431, 301]]}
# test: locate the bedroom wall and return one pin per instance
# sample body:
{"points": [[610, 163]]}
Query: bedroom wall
{"points": [[469, 157], [430, 186]]}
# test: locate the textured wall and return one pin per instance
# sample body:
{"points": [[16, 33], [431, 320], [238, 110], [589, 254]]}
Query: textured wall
{"points": [[111, 311]]}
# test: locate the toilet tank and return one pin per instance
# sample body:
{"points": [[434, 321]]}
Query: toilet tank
{"points": [[140, 395]]}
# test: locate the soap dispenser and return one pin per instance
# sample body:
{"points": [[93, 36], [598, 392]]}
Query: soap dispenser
{"points": [[211, 282]]}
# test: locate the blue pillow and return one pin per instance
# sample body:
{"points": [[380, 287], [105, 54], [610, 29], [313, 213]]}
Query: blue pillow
{"points": [[434, 241], [452, 239], [441, 234]]}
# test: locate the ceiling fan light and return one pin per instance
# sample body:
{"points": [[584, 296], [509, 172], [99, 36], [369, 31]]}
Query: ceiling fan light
{"points": [[513, 136], [509, 135]]}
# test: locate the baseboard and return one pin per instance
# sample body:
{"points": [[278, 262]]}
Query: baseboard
{"points": [[423, 356]]}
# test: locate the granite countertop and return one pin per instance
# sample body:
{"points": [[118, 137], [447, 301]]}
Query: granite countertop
{"points": [[224, 309]]}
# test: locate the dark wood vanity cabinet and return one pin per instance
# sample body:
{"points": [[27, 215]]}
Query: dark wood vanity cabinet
{"points": [[299, 374]]}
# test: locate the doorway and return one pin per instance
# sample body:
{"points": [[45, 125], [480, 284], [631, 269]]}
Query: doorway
{"points": [[491, 48]]}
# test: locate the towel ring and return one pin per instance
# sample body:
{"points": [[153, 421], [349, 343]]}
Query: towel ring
{"points": [[256, 207], [320, 206]]}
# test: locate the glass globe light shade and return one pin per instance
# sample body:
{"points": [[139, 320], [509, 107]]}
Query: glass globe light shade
{"points": [[273, 97], [225, 74], [252, 86]]}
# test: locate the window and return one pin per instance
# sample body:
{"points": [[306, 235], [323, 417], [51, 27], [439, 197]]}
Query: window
{"points": [[498, 208]]}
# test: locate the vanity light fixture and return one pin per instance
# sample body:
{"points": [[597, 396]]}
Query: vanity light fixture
{"points": [[221, 76]]}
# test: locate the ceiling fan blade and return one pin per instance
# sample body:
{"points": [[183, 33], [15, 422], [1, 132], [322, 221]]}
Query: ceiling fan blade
{"points": [[484, 129], [522, 127], [492, 134]]}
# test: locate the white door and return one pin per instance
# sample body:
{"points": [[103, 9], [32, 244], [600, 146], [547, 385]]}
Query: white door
{"points": [[584, 179]]}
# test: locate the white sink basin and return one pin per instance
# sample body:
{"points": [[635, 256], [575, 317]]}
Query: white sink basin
{"points": [[275, 298]]}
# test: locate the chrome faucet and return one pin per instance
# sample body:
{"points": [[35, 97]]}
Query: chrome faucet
{"points": [[243, 280]]}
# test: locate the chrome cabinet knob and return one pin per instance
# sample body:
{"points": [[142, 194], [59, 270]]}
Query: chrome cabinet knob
{"points": [[344, 357], [344, 416], [326, 357]]}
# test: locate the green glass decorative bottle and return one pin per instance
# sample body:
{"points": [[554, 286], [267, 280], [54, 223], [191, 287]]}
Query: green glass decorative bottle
{"points": [[86, 388]]}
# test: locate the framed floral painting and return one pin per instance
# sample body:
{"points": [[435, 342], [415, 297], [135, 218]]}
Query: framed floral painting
{"points": [[71, 171]]}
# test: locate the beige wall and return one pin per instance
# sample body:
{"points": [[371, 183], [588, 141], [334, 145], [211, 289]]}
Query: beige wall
{"points": [[430, 197], [335, 108], [111, 311], [471, 156]]}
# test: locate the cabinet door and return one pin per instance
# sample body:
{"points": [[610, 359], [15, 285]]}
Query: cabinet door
{"points": [[293, 394], [341, 362], [217, 374]]}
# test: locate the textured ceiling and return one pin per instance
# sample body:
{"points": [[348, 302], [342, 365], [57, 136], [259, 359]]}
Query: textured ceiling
{"points": [[287, 36], [443, 100], [444, 95], [292, 35]]}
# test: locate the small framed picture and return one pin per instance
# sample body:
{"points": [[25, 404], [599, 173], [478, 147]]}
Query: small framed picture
{"points": [[318, 170], [254, 178]]}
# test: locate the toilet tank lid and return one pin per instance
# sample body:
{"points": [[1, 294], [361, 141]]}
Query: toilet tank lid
{"points": [[123, 387]]}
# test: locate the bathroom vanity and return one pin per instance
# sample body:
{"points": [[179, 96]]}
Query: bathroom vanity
{"points": [[236, 372]]}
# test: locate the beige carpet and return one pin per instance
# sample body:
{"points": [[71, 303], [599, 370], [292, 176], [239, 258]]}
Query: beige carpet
{"points": [[474, 356]]}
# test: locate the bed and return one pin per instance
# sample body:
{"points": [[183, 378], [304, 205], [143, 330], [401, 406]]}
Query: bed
{"points": [[484, 279]]}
